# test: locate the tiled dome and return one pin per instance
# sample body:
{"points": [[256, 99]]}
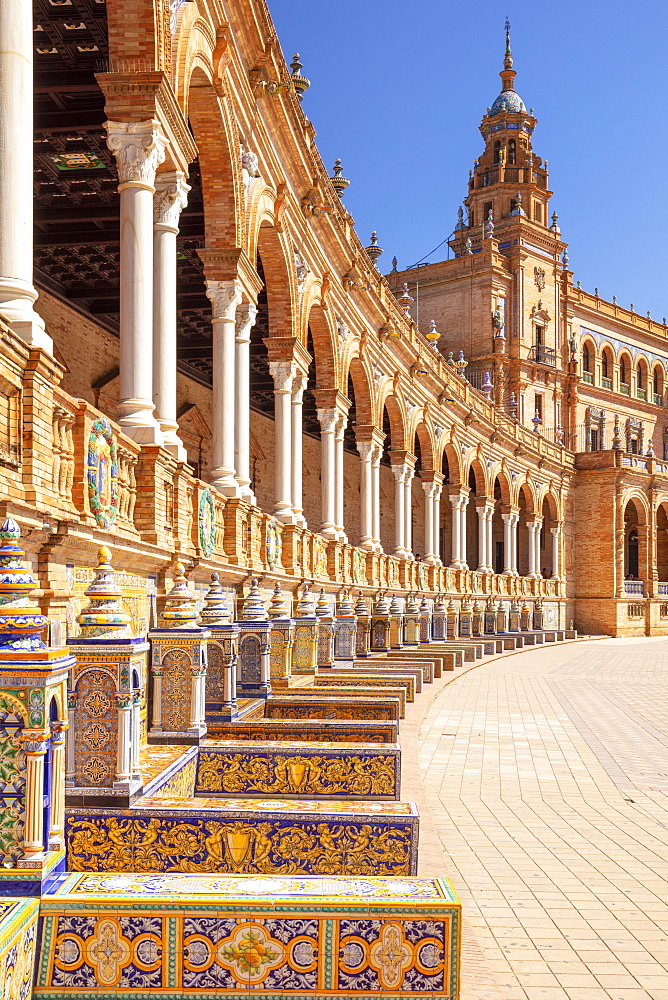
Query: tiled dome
{"points": [[508, 100]]}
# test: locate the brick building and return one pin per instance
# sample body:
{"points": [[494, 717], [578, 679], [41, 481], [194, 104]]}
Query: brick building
{"points": [[201, 358]]}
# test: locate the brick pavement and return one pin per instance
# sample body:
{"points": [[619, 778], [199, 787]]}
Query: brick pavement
{"points": [[546, 778]]}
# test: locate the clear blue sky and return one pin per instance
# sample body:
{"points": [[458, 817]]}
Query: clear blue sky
{"points": [[398, 89]]}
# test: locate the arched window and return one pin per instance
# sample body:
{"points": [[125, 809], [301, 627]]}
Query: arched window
{"points": [[586, 358], [623, 370], [605, 365], [639, 375], [511, 151], [657, 379], [497, 151]]}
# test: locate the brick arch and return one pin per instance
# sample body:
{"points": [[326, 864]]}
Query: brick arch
{"points": [[323, 348], [639, 501], [274, 252], [397, 417], [194, 43], [452, 452], [139, 36], [530, 499], [553, 505], [477, 468], [220, 164], [364, 408], [424, 433], [505, 486]]}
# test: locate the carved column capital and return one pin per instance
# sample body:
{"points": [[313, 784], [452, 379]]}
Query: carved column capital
{"points": [[245, 319], [282, 373], [139, 149], [225, 296], [171, 197], [328, 418], [299, 384], [366, 450], [34, 742]]}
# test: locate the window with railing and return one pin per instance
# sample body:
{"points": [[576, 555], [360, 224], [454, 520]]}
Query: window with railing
{"points": [[657, 398], [641, 393], [543, 355], [588, 377], [606, 382], [625, 388], [633, 586]]}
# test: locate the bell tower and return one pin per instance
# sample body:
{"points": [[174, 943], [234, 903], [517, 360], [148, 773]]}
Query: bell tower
{"points": [[508, 180]]}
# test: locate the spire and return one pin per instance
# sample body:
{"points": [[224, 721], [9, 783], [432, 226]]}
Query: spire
{"points": [[104, 616], [507, 74], [508, 60]]}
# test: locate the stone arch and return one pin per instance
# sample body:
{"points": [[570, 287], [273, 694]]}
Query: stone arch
{"points": [[219, 157], [192, 47], [635, 519], [661, 532], [658, 379], [642, 374], [588, 353], [607, 359]]}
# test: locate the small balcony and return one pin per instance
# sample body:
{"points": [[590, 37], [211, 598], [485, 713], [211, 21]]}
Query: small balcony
{"points": [[625, 388], [663, 589], [543, 355], [635, 587], [588, 377], [606, 382], [641, 393], [657, 399]]}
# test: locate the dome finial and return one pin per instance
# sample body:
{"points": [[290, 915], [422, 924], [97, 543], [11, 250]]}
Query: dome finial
{"points": [[508, 60]]}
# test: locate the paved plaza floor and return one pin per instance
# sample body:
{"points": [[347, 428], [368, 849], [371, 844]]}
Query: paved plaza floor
{"points": [[546, 779]]}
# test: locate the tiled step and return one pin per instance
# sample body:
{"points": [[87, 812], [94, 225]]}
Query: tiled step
{"points": [[309, 770], [236, 935], [331, 706], [323, 730], [302, 836]]}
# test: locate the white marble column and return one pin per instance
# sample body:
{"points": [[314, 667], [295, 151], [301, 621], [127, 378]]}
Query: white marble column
{"points": [[513, 539], [490, 539], [531, 529], [341, 425], [437, 524], [462, 532], [171, 197], [139, 149], [556, 552], [225, 296], [429, 489], [399, 472], [245, 318], [17, 292], [455, 503], [482, 539], [283, 372], [536, 541], [328, 420], [408, 512], [376, 457], [297, 407], [365, 449], [507, 544]]}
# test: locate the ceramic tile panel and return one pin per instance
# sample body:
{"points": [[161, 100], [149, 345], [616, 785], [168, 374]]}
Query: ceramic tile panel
{"points": [[246, 835], [331, 706], [18, 927], [325, 730], [299, 768], [228, 935]]}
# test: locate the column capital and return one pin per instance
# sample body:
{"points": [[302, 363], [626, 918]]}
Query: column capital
{"points": [[557, 529], [35, 742], [139, 149], [328, 418], [431, 489], [282, 373], [225, 296], [365, 449], [299, 384], [171, 197], [245, 317], [399, 473]]}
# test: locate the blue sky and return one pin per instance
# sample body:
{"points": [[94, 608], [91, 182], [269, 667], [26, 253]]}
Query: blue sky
{"points": [[398, 90]]}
